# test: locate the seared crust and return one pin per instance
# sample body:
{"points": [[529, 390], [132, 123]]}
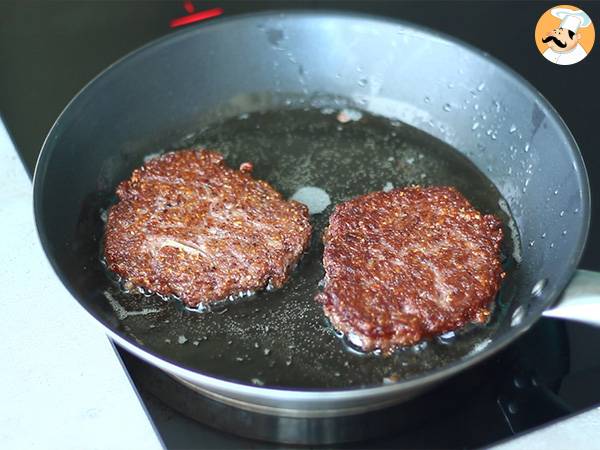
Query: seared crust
{"points": [[409, 264], [187, 225]]}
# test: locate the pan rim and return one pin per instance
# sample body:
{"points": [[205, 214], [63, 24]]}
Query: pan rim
{"points": [[322, 396]]}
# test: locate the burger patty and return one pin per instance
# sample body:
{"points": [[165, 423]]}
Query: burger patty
{"points": [[189, 226], [409, 264]]}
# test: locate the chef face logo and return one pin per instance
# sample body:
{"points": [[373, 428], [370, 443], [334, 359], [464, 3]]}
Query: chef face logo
{"points": [[564, 35]]}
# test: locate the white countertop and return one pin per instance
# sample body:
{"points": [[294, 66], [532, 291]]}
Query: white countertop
{"points": [[61, 384]]}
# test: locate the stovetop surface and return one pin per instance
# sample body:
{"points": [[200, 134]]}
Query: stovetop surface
{"points": [[538, 379], [49, 50]]}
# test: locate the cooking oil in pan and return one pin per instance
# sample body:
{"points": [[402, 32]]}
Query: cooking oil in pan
{"points": [[281, 337]]}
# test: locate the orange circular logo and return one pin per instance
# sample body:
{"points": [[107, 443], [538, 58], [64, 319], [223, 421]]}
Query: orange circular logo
{"points": [[565, 35]]}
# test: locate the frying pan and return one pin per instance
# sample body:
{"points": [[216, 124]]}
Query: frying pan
{"points": [[426, 109]]}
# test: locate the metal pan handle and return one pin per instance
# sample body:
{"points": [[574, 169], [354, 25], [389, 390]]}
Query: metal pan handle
{"points": [[581, 299]]}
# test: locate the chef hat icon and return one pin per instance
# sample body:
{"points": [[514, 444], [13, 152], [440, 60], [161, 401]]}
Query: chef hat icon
{"points": [[571, 19]]}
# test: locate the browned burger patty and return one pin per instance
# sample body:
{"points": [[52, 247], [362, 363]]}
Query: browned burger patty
{"points": [[187, 225], [409, 264]]}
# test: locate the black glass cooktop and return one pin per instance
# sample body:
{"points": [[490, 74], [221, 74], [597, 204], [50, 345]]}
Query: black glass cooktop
{"points": [[538, 379], [50, 49]]}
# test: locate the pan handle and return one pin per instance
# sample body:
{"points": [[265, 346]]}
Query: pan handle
{"points": [[581, 299]]}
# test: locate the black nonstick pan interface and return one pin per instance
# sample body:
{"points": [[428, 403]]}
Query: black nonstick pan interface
{"points": [[281, 338]]}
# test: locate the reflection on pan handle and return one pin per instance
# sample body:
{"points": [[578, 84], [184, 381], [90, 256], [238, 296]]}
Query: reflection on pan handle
{"points": [[581, 299]]}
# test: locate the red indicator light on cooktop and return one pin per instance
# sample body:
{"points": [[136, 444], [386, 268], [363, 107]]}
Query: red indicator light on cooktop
{"points": [[189, 6], [195, 17]]}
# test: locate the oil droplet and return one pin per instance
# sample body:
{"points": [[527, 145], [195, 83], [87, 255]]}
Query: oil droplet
{"points": [[266, 351], [447, 107], [552, 245], [517, 316], [349, 115], [543, 236], [556, 192], [531, 243], [363, 82], [417, 348], [481, 87], [427, 100], [476, 107], [537, 289], [519, 382], [526, 147], [446, 338], [512, 129], [562, 213], [564, 232], [475, 126], [576, 210]]}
